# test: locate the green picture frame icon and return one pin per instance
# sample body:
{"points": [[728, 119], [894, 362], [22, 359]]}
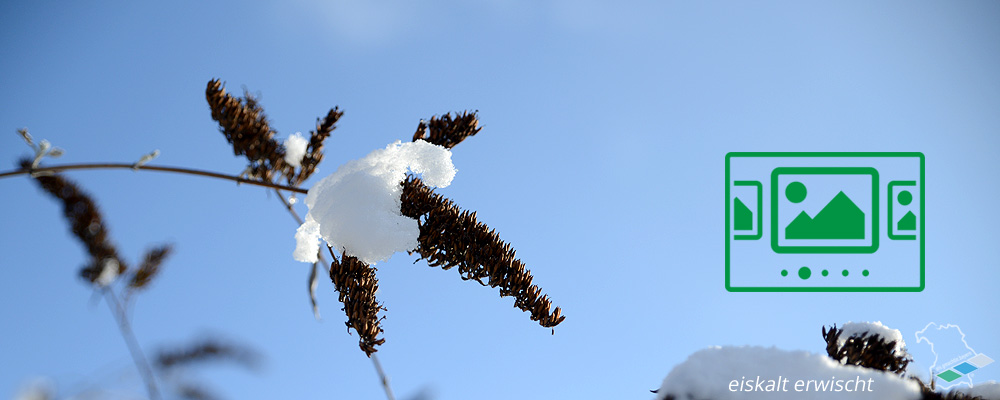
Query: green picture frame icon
{"points": [[759, 213], [873, 233], [901, 198], [762, 256]]}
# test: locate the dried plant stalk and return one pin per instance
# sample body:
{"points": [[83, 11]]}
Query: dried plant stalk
{"points": [[447, 131], [452, 237], [85, 221], [206, 350], [356, 284], [314, 153], [192, 391], [150, 267], [246, 127]]}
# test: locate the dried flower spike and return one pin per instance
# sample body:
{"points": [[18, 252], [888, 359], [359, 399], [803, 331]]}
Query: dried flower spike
{"points": [[866, 350], [314, 153], [206, 350], [150, 267], [447, 131], [452, 237], [86, 223], [356, 283], [245, 126]]}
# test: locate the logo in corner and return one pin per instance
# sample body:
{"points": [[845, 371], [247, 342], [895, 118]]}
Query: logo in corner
{"points": [[955, 362]]}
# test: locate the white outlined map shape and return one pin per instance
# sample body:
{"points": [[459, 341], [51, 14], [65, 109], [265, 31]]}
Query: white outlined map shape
{"points": [[949, 350]]}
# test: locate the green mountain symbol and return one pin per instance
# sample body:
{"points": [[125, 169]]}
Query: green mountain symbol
{"points": [[839, 219]]}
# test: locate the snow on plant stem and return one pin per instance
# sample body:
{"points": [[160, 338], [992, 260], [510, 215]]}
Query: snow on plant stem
{"points": [[295, 149], [858, 329], [357, 208]]}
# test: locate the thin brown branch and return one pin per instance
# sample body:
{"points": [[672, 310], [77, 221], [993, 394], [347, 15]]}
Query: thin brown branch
{"points": [[177, 170]]}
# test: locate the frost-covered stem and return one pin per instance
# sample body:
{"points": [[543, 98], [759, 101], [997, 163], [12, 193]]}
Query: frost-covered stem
{"points": [[288, 206], [133, 345], [378, 366], [177, 170]]}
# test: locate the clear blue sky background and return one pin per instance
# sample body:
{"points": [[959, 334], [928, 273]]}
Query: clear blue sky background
{"points": [[601, 161]]}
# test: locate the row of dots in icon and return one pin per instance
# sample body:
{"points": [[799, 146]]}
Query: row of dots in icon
{"points": [[805, 272]]}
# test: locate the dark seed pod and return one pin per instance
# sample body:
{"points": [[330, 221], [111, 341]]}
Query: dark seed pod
{"points": [[356, 283], [870, 351], [246, 127], [450, 237], [85, 221], [447, 131]]}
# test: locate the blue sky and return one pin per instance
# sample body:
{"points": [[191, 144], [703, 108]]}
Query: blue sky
{"points": [[605, 132]]}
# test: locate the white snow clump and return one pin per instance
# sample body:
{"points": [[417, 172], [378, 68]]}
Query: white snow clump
{"points": [[295, 149], [357, 208], [721, 373], [874, 328], [109, 272]]}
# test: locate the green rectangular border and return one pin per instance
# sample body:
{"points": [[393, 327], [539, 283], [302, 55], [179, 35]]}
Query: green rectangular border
{"points": [[891, 229], [760, 207], [923, 184]]}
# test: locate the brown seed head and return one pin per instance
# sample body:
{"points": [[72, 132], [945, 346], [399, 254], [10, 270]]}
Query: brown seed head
{"points": [[85, 222], [448, 131], [150, 266], [356, 283], [245, 126], [870, 351], [451, 237], [314, 153]]}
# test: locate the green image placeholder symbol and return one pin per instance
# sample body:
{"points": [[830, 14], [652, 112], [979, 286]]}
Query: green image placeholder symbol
{"points": [[839, 219], [909, 221], [743, 216]]}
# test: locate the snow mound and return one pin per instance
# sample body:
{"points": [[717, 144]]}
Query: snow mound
{"points": [[357, 208], [873, 328], [987, 390], [721, 373], [295, 149]]}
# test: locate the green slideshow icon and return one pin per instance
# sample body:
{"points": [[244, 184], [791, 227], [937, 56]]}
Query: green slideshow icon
{"points": [[834, 222]]}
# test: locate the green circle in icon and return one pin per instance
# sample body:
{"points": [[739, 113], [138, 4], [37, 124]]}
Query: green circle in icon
{"points": [[845, 273], [795, 192], [825, 272], [784, 272], [905, 197], [865, 272], [804, 273]]}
